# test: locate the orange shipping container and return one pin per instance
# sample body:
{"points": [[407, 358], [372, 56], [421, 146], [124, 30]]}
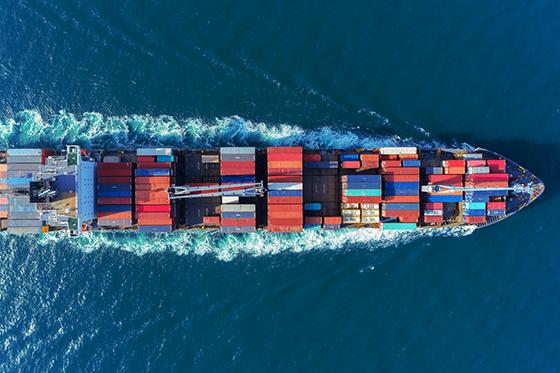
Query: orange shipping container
{"points": [[286, 207], [332, 220], [3, 214], [454, 170], [285, 164], [408, 156], [386, 164], [153, 215], [370, 157], [284, 150], [285, 171], [152, 180], [151, 201], [3, 186], [401, 171], [211, 220], [150, 221], [285, 214], [3, 167], [150, 194], [152, 187], [284, 228]]}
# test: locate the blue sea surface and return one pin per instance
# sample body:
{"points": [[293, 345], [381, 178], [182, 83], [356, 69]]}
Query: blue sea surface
{"points": [[321, 74]]}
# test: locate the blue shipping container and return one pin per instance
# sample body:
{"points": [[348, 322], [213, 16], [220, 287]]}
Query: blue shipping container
{"points": [[113, 208], [401, 185], [114, 187], [364, 186], [155, 228], [321, 164], [19, 180], [401, 206], [364, 178], [152, 172], [238, 179], [312, 206], [114, 193], [285, 193], [165, 158], [474, 212], [411, 163], [349, 157], [401, 192], [496, 213], [238, 215], [429, 198]]}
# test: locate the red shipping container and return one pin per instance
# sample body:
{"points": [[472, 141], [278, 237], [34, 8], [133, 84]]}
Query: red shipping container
{"points": [[115, 180], [408, 219], [285, 171], [151, 194], [121, 165], [432, 219], [285, 164], [332, 220], [284, 229], [234, 165], [152, 187], [398, 213], [496, 165], [284, 150], [454, 163], [408, 156], [313, 220], [285, 221], [4, 201], [475, 219], [153, 180], [145, 158], [153, 208], [115, 215], [433, 205], [389, 157], [153, 215], [350, 164], [453, 180], [114, 201], [211, 220], [366, 165], [114, 172], [374, 158], [285, 214], [401, 171], [284, 200], [284, 179], [386, 164], [487, 177], [155, 221], [401, 199], [347, 199], [232, 222], [312, 157], [401, 178], [237, 171], [298, 207], [454, 170], [283, 157], [496, 205], [476, 163], [146, 165]]}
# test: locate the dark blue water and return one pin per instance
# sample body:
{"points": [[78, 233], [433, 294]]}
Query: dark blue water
{"points": [[336, 73]]}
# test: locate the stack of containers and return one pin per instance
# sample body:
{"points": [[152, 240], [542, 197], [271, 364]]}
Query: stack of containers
{"points": [[312, 222], [474, 212], [361, 188], [451, 180], [496, 209], [432, 212], [369, 161], [351, 161], [369, 213], [114, 193], [454, 167], [477, 166], [405, 212], [3, 189], [153, 177], [238, 218], [497, 178], [285, 189], [332, 222], [237, 165], [351, 213]]}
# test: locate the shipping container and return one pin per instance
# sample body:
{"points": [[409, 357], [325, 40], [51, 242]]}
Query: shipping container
{"points": [[313, 220], [155, 228], [433, 170], [478, 170], [237, 229], [400, 171], [165, 158], [114, 187], [122, 165], [453, 180], [111, 159], [148, 159], [211, 220], [238, 214], [285, 193], [476, 163], [454, 170], [487, 177], [350, 164], [285, 186], [398, 213], [401, 206], [395, 163], [284, 149], [433, 205], [398, 150], [398, 226], [229, 199], [411, 163], [285, 179], [280, 208], [350, 199], [25, 152], [114, 215], [108, 222], [496, 205], [285, 221], [363, 193], [432, 219], [154, 151], [226, 158], [312, 157], [114, 172], [496, 212], [472, 156], [237, 150], [475, 219], [25, 159], [153, 215], [370, 158], [401, 178], [153, 208], [284, 229], [460, 163], [284, 200], [115, 180], [321, 164], [283, 157], [154, 221], [210, 159], [149, 172], [238, 208], [114, 201], [113, 208], [146, 165], [114, 193], [331, 227], [238, 179], [160, 180], [285, 214], [497, 165], [349, 157], [152, 187], [442, 198], [332, 220]]}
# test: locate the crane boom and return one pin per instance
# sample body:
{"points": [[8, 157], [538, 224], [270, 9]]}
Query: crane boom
{"points": [[218, 190]]}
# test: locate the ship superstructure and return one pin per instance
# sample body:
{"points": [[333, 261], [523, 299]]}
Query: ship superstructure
{"points": [[242, 189]]}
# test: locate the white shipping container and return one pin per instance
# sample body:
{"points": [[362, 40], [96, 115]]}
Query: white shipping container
{"points": [[433, 212], [370, 212], [154, 151], [228, 200], [478, 170], [350, 205], [399, 150], [285, 186], [25, 152], [210, 159], [238, 150], [370, 206], [238, 208], [351, 213], [370, 219], [111, 159], [350, 219], [472, 156]]}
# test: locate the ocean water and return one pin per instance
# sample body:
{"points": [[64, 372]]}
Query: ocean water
{"points": [[337, 74]]}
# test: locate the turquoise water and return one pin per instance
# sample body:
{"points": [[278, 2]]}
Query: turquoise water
{"points": [[341, 74]]}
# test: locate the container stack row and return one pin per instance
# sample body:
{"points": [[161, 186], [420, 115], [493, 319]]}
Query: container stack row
{"points": [[317, 161], [114, 193], [400, 168], [360, 213], [153, 175], [3, 191], [23, 216], [285, 189], [432, 213], [238, 218], [361, 188]]}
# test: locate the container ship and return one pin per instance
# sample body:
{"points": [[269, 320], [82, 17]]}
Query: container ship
{"points": [[244, 189]]}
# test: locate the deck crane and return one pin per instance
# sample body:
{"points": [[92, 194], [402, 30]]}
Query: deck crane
{"points": [[248, 189]]}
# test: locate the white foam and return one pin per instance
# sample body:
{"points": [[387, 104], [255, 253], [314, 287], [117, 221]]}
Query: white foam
{"points": [[94, 130]]}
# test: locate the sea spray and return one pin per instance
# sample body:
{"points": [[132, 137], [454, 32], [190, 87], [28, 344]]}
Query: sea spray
{"points": [[94, 130]]}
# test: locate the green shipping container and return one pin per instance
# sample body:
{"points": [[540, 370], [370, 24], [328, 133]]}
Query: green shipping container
{"points": [[363, 192], [398, 226]]}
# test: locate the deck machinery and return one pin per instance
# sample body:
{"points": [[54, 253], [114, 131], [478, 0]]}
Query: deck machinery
{"points": [[280, 189]]}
